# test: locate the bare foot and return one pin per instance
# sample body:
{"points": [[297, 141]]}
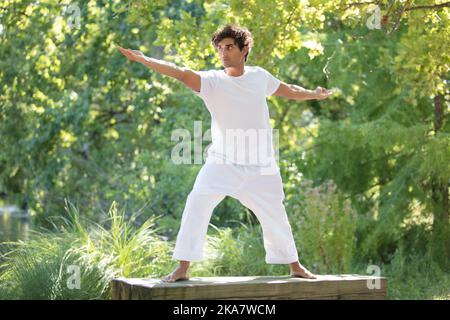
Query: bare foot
{"points": [[301, 272], [177, 275]]}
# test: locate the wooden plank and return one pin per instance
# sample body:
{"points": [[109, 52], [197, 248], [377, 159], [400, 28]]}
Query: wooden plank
{"points": [[346, 286]]}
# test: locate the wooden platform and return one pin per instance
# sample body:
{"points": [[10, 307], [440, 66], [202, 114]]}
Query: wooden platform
{"points": [[210, 288]]}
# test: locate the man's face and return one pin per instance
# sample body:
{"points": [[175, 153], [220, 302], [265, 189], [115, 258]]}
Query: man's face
{"points": [[229, 53]]}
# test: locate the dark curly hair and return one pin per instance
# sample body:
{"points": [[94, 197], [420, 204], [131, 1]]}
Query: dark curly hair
{"points": [[242, 36]]}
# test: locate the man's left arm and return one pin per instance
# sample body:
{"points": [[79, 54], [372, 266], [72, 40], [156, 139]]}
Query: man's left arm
{"points": [[295, 92]]}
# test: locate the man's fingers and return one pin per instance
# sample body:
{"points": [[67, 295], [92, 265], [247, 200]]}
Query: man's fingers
{"points": [[324, 92], [130, 53], [122, 50], [126, 52]]}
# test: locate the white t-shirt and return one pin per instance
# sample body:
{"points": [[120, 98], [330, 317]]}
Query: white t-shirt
{"points": [[241, 132]]}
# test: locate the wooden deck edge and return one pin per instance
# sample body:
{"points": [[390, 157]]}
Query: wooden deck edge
{"points": [[257, 288]]}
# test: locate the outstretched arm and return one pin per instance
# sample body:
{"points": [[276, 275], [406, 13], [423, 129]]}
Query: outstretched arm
{"points": [[294, 92], [185, 75]]}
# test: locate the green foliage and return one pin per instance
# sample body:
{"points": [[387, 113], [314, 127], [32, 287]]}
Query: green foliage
{"points": [[77, 121], [324, 225], [39, 267], [416, 276], [236, 252]]}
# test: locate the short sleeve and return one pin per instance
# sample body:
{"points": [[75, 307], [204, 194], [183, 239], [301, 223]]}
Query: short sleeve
{"points": [[208, 80], [272, 83]]}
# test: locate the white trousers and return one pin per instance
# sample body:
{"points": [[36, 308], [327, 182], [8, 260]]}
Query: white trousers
{"points": [[261, 193]]}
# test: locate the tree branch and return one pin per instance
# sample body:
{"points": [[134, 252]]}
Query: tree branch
{"points": [[354, 4], [425, 7], [433, 7]]}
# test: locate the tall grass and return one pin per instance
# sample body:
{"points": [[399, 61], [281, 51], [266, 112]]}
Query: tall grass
{"points": [[80, 258], [238, 252], [416, 276], [324, 225]]}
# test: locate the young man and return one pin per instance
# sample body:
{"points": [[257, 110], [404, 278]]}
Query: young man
{"points": [[236, 100]]}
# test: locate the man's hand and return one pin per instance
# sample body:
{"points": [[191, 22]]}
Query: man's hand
{"points": [[292, 91], [322, 93], [133, 55]]}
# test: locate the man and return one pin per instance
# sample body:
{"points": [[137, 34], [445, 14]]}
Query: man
{"points": [[236, 100]]}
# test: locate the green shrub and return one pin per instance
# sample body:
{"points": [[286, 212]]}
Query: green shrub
{"points": [[238, 253], [324, 225], [40, 268], [416, 276]]}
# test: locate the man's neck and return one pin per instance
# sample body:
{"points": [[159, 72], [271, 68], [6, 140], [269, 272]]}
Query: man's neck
{"points": [[235, 71]]}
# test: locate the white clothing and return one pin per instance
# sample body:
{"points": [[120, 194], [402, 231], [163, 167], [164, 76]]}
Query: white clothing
{"points": [[263, 194], [237, 103], [241, 132]]}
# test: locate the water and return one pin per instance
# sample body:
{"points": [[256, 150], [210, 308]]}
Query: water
{"points": [[14, 224]]}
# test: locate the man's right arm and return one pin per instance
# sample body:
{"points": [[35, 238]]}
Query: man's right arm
{"points": [[184, 75]]}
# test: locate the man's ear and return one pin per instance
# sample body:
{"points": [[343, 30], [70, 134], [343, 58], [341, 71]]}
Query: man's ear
{"points": [[245, 50]]}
